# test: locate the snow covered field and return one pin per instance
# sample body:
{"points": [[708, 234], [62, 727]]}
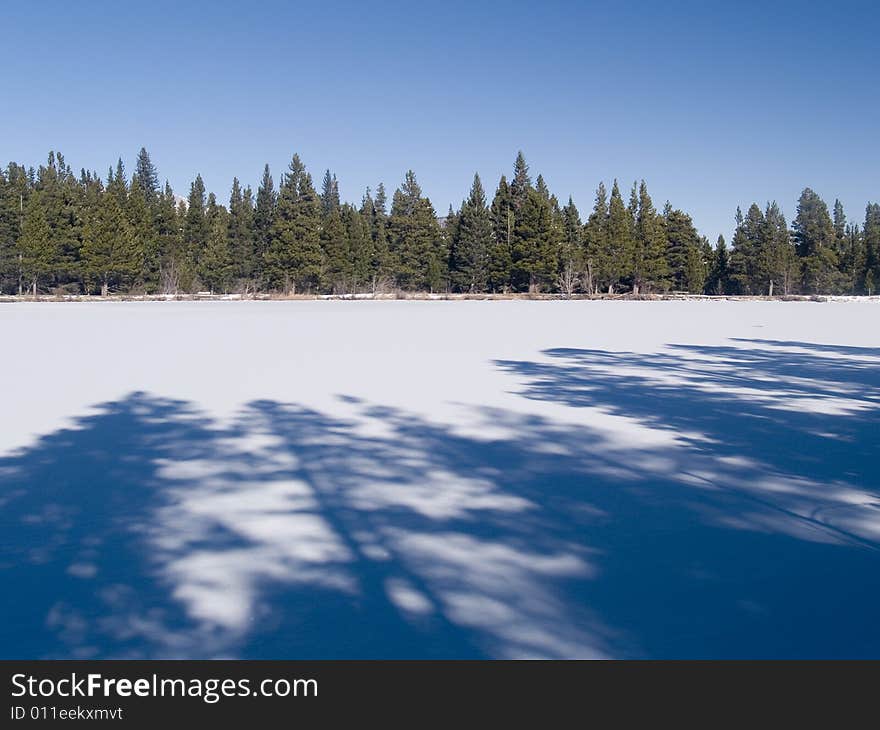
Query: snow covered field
{"points": [[440, 479]]}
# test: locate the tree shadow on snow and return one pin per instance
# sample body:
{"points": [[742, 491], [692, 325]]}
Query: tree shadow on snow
{"points": [[717, 502]]}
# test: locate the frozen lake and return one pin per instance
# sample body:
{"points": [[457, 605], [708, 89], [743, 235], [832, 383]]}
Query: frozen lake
{"points": [[440, 479]]}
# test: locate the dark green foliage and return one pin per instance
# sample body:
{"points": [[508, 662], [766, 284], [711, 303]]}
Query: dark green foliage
{"points": [[374, 215], [648, 266], [294, 258], [338, 273], [364, 271], [869, 265], [472, 239], [718, 281], [195, 234], [242, 237], [534, 252], [55, 232], [814, 242], [264, 220], [521, 183], [329, 194], [144, 237], [599, 269], [684, 252], [778, 262], [216, 267], [39, 256], [499, 262], [147, 177], [415, 238], [109, 256]]}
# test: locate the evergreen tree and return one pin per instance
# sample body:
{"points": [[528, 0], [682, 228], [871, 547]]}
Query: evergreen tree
{"points": [[748, 271], [501, 215], [521, 183], [648, 261], [264, 220], [339, 271], [61, 199], [195, 233], [216, 263], [534, 252], [108, 253], [814, 242], [294, 259], [684, 254], [144, 237], [360, 247], [601, 271], [329, 194], [147, 177], [242, 236], [415, 238], [14, 195], [719, 273], [38, 253], [779, 266], [870, 263], [619, 237], [170, 231], [473, 239]]}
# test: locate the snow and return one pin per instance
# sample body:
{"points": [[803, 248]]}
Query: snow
{"points": [[440, 479]]}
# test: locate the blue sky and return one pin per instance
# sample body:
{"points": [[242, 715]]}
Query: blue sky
{"points": [[714, 104]]}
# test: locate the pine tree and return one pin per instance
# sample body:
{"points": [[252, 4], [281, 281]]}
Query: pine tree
{"points": [[338, 272], [329, 194], [534, 252], [600, 271], [61, 197], [472, 239], [147, 177], [108, 252], [216, 262], [521, 183], [242, 236], [620, 238], [360, 247], [870, 263], [195, 233], [814, 242], [415, 238], [14, 194], [779, 266], [748, 271], [170, 231], [294, 258], [383, 259], [144, 238], [648, 261], [719, 272], [501, 215], [571, 248], [38, 253], [683, 251], [264, 220]]}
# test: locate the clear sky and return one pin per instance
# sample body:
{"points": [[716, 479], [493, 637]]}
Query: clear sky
{"points": [[714, 104]]}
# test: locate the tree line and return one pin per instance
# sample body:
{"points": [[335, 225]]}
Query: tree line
{"points": [[65, 233]]}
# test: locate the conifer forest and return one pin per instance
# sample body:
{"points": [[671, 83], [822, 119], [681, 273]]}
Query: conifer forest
{"points": [[64, 232]]}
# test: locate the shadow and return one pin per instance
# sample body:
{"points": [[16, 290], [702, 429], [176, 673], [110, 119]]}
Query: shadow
{"points": [[717, 502]]}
